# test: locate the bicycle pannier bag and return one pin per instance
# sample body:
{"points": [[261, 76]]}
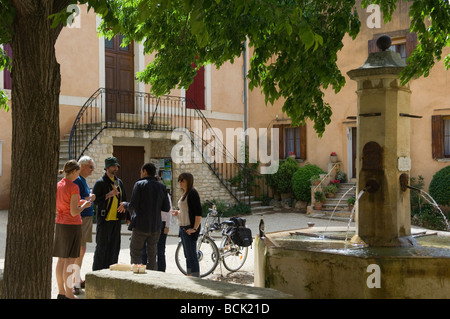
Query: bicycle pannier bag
{"points": [[242, 236]]}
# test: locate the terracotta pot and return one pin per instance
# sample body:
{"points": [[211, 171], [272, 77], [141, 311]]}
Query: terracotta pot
{"points": [[318, 206]]}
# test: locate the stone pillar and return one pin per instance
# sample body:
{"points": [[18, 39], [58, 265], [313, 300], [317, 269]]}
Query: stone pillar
{"points": [[383, 149]]}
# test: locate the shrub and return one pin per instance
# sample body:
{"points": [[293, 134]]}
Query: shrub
{"points": [[428, 217], [281, 181], [440, 186], [301, 181], [341, 176], [238, 209]]}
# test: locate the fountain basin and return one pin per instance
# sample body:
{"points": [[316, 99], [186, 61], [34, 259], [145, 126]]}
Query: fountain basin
{"points": [[308, 266]]}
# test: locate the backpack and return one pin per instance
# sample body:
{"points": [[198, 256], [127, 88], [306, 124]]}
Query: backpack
{"points": [[242, 236]]}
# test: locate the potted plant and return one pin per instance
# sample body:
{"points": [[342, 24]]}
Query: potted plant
{"points": [[315, 180], [335, 183], [351, 203], [330, 190], [319, 198], [333, 157], [292, 154]]}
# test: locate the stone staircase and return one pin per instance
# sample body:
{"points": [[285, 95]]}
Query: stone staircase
{"points": [[256, 206], [338, 204], [63, 153]]}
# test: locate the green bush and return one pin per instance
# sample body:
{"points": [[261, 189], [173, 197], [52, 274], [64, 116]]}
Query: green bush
{"points": [[281, 181], [238, 209], [301, 181], [225, 210], [440, 186], [427, 216]]}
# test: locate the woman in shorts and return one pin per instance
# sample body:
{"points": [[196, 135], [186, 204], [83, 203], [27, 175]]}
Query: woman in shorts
{"points": [[68, 228]]}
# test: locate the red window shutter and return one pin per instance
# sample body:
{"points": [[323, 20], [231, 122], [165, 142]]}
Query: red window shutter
{"points": [[7, 81], [437, 139], [196, 91], [411, 43], [372, 46]]}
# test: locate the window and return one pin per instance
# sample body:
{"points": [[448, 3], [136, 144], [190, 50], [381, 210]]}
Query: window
{"points": [[401, 49], [440, 127], [292, 139], [403, 42]]}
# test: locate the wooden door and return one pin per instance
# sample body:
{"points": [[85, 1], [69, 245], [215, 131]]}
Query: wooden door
{"points": [[119, 78], [196, 91], [131, 159]]}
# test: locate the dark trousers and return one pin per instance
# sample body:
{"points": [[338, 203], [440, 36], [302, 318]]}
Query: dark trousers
{"points": [[108, 244], [190, 252], [161, 247], [138, 240]]}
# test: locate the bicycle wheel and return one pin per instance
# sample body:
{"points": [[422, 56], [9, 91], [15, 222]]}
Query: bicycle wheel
{"points": [[207, 253], [233, 255]]}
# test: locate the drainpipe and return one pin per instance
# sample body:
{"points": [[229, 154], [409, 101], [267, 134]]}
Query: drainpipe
{"points": [[244, 76]]}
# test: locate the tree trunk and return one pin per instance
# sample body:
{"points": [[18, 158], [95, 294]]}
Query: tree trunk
{"points": [[35, 150]]}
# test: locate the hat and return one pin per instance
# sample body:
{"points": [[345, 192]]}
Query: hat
{"points": [[111, 161]]}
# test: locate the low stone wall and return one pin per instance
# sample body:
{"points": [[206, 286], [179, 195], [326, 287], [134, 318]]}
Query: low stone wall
{"points": [[109, 284]]}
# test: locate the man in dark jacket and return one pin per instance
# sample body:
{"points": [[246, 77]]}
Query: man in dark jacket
{"points": [[149, 198], [109, 193]]}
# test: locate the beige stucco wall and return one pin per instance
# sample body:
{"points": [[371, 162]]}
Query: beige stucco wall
{"points": [[430, 96], [77, 51], [5, 161]]}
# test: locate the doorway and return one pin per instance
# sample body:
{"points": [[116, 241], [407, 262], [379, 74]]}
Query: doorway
{"points": [[119, 77], [351, 152], [131, 159]]}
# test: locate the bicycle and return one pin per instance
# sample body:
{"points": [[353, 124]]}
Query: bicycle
{"points": [[209, 255]]}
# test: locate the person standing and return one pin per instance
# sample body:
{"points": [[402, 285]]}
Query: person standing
{"points": [[166, 218], [109, 192], [149, 198], [189, 220], [86, 168], [67, 227]]}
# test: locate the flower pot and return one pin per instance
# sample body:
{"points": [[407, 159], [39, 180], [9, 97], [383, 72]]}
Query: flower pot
{"points": [[330, 195], [333, 158], [318, 206]]}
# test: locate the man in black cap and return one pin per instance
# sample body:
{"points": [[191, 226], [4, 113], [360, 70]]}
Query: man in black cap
{"points": [[109, 193]]}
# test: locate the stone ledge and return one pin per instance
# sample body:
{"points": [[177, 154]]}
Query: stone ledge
{"points": [[109, 284]]}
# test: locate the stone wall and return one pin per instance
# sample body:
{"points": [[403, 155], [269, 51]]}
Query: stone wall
{"points": [[107, 284], [157, 145]]}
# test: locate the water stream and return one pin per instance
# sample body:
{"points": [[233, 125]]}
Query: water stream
{"points": [[331, 217], [351, 215], [431, 201]]}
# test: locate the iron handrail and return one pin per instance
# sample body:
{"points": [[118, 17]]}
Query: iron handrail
{"points": [[108, 108]]}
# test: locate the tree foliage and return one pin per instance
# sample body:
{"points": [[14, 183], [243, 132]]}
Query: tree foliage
{"points": [[294, 43]]}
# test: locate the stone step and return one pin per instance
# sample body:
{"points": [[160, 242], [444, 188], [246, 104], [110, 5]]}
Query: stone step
{"points": [[259, 209]]}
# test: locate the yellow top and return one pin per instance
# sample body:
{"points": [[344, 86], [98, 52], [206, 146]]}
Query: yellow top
{"points": [[112, 214]]}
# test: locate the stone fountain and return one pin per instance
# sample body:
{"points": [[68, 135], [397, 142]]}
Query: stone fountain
{"points": [[386, 261]]}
